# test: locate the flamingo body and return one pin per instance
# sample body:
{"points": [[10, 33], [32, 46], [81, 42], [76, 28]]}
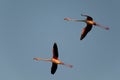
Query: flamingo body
{"points": [[89, 24], [55, 61]]}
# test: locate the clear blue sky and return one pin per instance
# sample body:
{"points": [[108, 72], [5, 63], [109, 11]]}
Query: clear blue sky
{"points": [[28, 29]]}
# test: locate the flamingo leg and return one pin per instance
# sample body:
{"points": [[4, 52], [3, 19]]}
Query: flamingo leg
{"points": [[104, 27], [67, 65]]}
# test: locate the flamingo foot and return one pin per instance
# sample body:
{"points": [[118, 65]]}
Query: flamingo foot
{"points": [[107, 28]]}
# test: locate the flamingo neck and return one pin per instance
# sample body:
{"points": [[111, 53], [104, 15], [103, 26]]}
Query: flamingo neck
{"points": [[46, 59], [43, 59], [78, 20]]}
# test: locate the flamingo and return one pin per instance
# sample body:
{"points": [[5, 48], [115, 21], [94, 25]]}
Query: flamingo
{"points": [[55, 61], [89, 21]]}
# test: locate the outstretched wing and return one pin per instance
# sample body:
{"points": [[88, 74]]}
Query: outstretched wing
{"points": [[53, 68], [88, 17], [85, 31], [55, 51]]}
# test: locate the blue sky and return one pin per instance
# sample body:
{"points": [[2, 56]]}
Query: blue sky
{"points": [[29, 28]]}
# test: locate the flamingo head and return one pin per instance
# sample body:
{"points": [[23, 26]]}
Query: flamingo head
{"points": [[67, 19], [37, 59]]}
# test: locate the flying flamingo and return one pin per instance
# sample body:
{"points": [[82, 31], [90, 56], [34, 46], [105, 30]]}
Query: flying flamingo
{"points": [[55, 61], [89, 21]]}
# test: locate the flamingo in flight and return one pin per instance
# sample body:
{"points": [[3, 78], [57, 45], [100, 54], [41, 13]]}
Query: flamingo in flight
{"points": [[89, 21], [55, 61]]}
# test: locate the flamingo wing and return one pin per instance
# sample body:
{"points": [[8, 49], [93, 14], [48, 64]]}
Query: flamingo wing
{"points": [[53, 68], [88, 17], [85, 31], [55, 51]]}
